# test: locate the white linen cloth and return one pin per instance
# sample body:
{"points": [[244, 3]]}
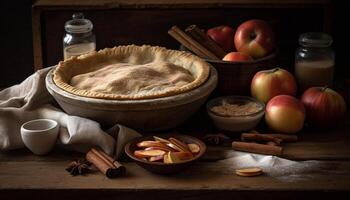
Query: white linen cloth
{"points": [[31, 100]]}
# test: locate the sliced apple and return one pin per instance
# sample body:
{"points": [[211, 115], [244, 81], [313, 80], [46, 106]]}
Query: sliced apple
{"points": [[150, 143], [173, 158], [166, 159], [194, 148], [165, 148], [255, 171], [173, 146], [148, 153], [179, 144], [251, 170], [183, 155], [156, 158], [156, 138]]}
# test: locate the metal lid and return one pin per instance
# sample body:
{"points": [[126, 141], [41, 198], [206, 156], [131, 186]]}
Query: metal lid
{"points": [[315, 39], [78, 24]]}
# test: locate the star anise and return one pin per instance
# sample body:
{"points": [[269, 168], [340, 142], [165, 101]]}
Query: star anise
{"points": [[215, 139], [78, 167]]}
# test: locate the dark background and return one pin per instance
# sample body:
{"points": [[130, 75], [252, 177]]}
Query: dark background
{"points": [[16, 48], [16, 51]]}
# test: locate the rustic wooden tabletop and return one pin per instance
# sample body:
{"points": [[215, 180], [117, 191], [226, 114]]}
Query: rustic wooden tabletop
{"points": [[24, 175]]}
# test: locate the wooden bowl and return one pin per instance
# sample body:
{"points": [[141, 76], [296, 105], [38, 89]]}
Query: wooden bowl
{"points": [[164, 168], [235, 77]]}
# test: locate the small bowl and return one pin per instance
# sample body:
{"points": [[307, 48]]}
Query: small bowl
{"points": [[235, 77], [40, 135], [164, 168], [237, 123]]}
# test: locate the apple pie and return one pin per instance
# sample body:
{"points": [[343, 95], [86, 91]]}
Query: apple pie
{"points": [[131, 72]]}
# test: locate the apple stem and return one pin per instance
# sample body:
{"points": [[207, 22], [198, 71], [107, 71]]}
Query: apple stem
{"points": [[252, 36], [324, 88], [275, 69]]}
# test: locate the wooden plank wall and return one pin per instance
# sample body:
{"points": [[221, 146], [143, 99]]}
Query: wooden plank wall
{"points": [[142, 26], [152, 18]]}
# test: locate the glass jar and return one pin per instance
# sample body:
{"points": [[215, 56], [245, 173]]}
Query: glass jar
{"points": [[314, 61], [79, 38]]}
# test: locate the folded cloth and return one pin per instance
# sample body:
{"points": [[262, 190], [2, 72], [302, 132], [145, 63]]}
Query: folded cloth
{"points": [[31, 100]]}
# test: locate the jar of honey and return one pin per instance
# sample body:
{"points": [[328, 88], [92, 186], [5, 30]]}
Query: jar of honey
{"points": [[79, 38], [314, 61]]}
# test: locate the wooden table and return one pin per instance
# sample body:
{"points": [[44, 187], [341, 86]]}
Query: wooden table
{"points": [[23, 175]]}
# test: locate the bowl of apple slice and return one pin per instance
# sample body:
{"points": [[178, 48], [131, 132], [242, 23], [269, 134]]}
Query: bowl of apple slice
{"points": [[165, 154]]}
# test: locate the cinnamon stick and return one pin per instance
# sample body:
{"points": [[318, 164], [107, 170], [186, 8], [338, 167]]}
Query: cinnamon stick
{"points": [[185, 43], [190, 43], [257, 148], [260, 138], [284, 137], [121, 169], [105, 163], [202, 38]]}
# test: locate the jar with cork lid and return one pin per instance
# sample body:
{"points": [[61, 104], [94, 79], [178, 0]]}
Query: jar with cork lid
{"points": [[79, 38], [314, 60]]}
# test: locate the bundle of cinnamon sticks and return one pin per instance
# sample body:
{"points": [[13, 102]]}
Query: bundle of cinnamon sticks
{"points": [[194, 39], [106, 164], [269, 144]]}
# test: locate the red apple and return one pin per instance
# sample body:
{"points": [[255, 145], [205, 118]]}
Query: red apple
{"points": [[223, 36], [324, 106], [255, 38], [237, 57], [269, 83], [285, 114]]}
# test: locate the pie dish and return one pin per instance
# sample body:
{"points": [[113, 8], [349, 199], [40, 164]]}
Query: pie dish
{"points": [[140, 114], [131, 73]]}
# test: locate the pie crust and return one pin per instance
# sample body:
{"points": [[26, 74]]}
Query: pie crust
{"points": [[131, 72]]}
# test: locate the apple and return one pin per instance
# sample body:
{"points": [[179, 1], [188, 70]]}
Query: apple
{"points": [[150, 143], [173, 158], [255, 38], [148, 153], [324, 106], [156, 138], [173, 146], [194, 148], [183, 155], [223, 36], [285, 114], [269, 83], [237, 57], [156, 158], [166, 159], [179, 144], [176, 157], [166, 148]]}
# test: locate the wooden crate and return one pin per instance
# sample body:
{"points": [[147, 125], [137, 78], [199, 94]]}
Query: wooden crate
{"points": [[119, 22]]}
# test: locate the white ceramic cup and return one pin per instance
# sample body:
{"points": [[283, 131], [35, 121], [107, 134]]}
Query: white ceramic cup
{"points": [[40, 135]]}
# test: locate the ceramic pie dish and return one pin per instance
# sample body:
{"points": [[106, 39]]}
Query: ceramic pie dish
{"points": [[131, 72], [164, 109]]}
